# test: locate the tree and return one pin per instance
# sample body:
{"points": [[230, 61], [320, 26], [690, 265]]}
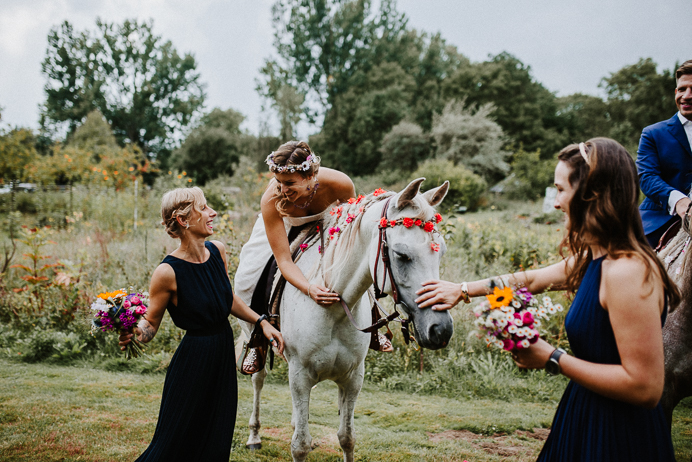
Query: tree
{"points": [[285, 99], [404, 147], [214, 146], [17, 152], [472, 139], [144, 88], [524, 108], [638, 96], [583, 117]]}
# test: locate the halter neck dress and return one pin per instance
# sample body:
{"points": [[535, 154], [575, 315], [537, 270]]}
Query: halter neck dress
{"points": [[589, 427], [256, 254], [200, 393]]}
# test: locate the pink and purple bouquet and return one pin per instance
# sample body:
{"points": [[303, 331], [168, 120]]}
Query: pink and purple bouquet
{"points": [[119, 312], [510, 319]]}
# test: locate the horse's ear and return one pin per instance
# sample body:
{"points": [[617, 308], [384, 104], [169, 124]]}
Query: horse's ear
{"points": [[407, 195], [435, 195]]}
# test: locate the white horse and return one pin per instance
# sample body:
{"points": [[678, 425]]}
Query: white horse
{"points": [[321, 343]]}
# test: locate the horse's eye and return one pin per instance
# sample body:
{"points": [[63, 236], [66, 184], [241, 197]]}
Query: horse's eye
{"points": [[402, 256]]}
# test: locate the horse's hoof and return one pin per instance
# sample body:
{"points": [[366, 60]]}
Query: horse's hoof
{"points": [[254, 446]]}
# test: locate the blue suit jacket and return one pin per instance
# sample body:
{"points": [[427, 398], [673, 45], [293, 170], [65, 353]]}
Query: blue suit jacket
{"points": [[664, 163]]}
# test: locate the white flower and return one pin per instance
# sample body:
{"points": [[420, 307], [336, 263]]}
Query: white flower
{"points": [[558, 307], [518, 322], [525, 343], [536, 323], [552, 310], [547, 301], [516, 304], [512, 329], [99, 305]]}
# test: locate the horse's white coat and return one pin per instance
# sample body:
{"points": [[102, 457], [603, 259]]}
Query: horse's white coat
{"points": [[322, 344]]}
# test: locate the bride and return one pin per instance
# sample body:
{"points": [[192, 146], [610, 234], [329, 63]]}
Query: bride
{"points": [[298, 195]]}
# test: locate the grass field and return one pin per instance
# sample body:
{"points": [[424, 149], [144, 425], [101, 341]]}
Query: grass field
{"points": [[59, 413]]}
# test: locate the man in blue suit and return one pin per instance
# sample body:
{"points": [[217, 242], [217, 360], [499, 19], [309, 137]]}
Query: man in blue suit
{"points": [[664, 162]]}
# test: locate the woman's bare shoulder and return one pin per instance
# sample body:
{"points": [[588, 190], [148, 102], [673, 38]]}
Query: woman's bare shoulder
{"points": [[337, 181], [631, 274]]}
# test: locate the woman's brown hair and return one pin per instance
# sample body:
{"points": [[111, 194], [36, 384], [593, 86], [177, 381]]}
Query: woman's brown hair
{"points": [[604, 211], [291, 153]]}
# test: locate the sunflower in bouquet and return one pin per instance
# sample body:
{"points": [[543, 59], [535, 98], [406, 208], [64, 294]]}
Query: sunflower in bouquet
{"points": [[510, 319], [119, 312]]}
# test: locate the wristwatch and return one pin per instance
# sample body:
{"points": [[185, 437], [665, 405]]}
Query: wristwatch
{"points": [[552, 367]]}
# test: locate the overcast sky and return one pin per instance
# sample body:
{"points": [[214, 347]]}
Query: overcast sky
{"points": [[570, 45]]}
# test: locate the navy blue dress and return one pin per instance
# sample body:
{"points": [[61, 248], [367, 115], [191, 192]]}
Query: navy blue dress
{"points": [[200, 394], [589, 427]]}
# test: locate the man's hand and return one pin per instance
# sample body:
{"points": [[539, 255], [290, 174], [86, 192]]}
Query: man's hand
{"points": [[682, 205]]}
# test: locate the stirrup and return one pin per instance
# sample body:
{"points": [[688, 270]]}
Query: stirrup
{"points": [[254, 361]]}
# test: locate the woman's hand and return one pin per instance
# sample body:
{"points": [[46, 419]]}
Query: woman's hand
{"points": [[274, 336], [534, 357], [441, 295], [322, 295], [126, 337]]}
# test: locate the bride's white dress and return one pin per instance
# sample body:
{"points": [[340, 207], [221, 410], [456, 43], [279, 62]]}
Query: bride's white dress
{"points": [[255, 254]]}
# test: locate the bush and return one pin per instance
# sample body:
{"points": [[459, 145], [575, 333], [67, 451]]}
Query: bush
{"points": [[531, 175], [465, 187], [404, 147]]}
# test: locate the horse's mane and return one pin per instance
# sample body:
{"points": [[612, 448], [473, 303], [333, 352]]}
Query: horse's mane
{"points": [[338, 250]]}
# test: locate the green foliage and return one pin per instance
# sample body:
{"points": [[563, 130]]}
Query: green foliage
{"points": [[524, 108], [213, 147], [465, 187], [531, 175], [472, 139], [404, 147], [143, 87], [638, 96], [17, 151]]}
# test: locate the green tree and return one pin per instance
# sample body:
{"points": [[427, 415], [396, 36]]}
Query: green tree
{"points": [[214, 146], [404, 147], [144, 88], [284, 98], [472, 139], [524, 108], [583, 117], [638, 96], [17, 152]]}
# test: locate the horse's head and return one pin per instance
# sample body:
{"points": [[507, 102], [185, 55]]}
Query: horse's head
{"points": [[414, 252]]}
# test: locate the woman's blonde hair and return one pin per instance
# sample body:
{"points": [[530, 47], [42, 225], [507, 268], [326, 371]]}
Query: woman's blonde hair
{"points": [[180, 203]]}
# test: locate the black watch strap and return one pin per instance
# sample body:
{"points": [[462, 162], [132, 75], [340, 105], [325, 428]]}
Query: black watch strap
{"points": [[259, 321], [552, 367]]}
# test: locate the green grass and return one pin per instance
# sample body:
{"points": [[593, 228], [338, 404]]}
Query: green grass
{"points": [[51, 413]]}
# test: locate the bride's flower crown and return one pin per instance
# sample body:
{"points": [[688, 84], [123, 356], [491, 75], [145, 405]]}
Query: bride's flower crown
{"points": [[291, 168]]}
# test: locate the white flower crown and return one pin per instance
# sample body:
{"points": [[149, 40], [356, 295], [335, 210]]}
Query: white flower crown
{"points": [[303, 167]]}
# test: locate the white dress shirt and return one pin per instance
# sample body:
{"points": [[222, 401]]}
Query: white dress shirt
{"points": [[675, 196]]}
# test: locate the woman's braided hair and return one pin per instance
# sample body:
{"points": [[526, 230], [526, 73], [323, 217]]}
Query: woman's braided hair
{"points": [[180, 203]]}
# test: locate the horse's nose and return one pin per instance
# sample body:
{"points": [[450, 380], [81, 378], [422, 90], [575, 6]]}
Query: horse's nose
{"points": [[439, 334]]}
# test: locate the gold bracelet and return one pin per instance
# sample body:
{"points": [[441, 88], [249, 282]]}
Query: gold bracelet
{"points": [[465, 292]]}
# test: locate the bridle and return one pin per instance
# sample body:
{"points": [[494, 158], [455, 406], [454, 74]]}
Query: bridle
{"points": [[379, 321]]}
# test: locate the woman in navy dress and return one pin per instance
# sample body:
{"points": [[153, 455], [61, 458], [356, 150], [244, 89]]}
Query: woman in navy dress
{"points": [[610, 410], [200, 393]]}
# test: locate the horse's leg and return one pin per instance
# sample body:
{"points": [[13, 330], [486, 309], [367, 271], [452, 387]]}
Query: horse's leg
{"points": [[348, 394], [301, 385], [254, 441]]}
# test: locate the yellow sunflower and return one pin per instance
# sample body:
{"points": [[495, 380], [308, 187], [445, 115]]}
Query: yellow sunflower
{"points": [[500, 297]]}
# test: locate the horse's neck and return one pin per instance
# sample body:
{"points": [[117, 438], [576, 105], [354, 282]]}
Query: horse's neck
{"points": [[355, 277]]}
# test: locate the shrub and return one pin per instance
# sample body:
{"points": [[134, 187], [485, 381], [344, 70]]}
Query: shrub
{"points": [[404, 147], [465, 187], [531, 175]]}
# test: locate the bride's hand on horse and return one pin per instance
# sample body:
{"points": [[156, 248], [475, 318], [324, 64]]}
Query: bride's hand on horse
{"points": [[322, 295], [274, 336], [440, 295]]}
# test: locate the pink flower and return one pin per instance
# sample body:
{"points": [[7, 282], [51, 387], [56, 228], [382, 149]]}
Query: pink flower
{"points": [[135, 300], [378, 191], [141, 309], [527, 318], [350, 218], [127, 304], [303, 247], [333, 231], [435, 247], [508, 344]]}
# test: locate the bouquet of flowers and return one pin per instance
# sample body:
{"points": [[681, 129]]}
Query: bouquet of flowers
{"points": [[510, 319], [119, 312]]}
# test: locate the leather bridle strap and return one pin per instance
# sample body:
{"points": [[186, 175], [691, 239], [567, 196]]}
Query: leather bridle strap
{"points": [[383, 253]]}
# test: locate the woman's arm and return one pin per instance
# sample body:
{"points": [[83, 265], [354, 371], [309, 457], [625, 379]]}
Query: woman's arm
{"points": [[162, 287], [443, 295], [242, 311], [634, 309]]}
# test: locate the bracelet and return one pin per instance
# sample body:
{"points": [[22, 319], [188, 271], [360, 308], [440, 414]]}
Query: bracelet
{"points": [[309, 296], [465, 292], [259, 320]]}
